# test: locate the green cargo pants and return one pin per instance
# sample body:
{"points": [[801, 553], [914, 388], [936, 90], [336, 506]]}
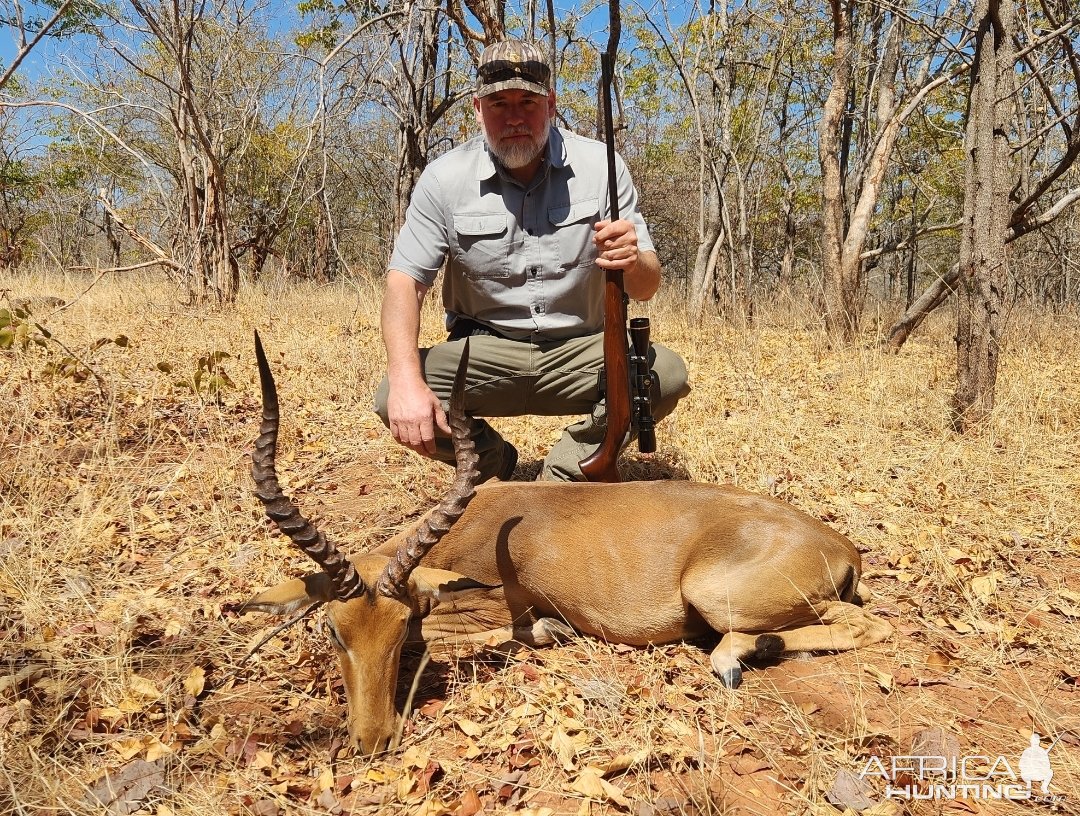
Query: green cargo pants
{"points": [[550, 378]]}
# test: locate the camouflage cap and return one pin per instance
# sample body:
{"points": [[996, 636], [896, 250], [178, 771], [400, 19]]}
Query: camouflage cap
{"points": [[513, 64]]}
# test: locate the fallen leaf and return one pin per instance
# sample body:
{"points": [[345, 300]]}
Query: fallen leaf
{"points": [[850, 791], [128, 748], [564, 749], [144, 687], [325, 780], [510, 783], [123, 791], [327, 800], [468, 727], [431, 774], [985, 586], [434, 807], [525, 710], [414, 758], [263, 759], [592, 785], [935, 742], [406, 785], [523, 755], [432, 709], [886, 808], [961, 627], [677, 728], [938, 661], [155, 749], [746, 764], [195, 682], [469, 803], [883, 679], [624, 762]]}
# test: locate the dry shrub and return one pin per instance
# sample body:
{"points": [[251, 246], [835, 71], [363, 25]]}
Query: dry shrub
{"points": [[127, 524]]}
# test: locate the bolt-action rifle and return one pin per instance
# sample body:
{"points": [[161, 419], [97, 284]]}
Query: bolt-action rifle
{"points": [[628, 396]]}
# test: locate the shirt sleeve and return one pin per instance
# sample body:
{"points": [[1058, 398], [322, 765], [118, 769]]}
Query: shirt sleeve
{"points": [[628, 205], [422, 244]]}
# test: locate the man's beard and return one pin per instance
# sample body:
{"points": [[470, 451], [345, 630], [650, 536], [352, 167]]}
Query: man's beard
{"points": [[519, 152]]}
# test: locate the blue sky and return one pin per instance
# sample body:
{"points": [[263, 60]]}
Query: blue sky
{"points": [[281, 17]]}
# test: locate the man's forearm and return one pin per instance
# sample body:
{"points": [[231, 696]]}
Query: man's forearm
{"points": [[644, 281], [400, 321]]}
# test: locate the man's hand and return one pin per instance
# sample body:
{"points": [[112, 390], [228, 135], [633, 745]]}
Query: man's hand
{"points": [[616, 243], [617, 249], [412, 408], [414, 412]]}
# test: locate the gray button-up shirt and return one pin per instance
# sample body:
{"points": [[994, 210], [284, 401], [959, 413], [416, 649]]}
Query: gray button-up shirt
{"points": [[520, 259]]}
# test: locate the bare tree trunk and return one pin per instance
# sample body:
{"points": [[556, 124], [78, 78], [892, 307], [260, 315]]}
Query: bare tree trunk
{"points": [[208, 256], [325, 262], [703, 280], [786, 274], [223, 268], [838, 316], [112, 238], [848, 213], [983, 270], [934, 295]]}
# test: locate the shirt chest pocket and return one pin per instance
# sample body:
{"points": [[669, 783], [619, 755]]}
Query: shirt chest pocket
{"points": [[482, 246], [573, 226]]}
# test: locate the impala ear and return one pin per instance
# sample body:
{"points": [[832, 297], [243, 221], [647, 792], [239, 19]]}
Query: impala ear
{"points": [[443, 586], [291, 596]]}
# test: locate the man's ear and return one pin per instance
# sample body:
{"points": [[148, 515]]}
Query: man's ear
{"points": [[443, 586]]}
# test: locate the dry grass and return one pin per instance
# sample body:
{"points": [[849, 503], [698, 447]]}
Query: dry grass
{"points": [[127, 523]]}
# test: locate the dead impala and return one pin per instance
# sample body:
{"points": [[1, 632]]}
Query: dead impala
{"points": [[637, 563]]}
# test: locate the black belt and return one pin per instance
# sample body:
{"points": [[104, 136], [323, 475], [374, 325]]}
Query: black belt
{"points": [[467, 327]]}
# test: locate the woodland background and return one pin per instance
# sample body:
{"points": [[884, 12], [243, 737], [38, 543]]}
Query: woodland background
{"points": [[819, 178], [850, 149]]}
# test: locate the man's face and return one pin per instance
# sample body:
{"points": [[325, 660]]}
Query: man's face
{"points": [[515, 124]]}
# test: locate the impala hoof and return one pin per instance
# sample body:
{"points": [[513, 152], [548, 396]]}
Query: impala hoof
{"points": [[731, 678], [555, 630]]}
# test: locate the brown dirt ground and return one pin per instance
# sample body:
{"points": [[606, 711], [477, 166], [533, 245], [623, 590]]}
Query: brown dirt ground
{"points": [[128, 528]]}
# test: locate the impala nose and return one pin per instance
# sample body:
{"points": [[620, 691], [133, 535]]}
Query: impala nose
{"points": [[371, 738]]}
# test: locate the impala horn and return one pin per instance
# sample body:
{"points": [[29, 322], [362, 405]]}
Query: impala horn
{"points": [[346, 582], [394, 581]]}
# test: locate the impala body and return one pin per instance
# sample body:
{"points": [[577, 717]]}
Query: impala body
{"points": [[637, 563]]}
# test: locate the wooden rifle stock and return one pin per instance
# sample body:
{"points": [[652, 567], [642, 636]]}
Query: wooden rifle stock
{"points": [[602, 464]]}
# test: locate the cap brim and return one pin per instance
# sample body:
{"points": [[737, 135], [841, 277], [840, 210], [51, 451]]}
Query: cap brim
{"points": [[511, 84]]}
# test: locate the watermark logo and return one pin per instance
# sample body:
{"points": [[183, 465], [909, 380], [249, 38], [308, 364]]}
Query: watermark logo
{"points": [[1035, 764], [970, 777]]}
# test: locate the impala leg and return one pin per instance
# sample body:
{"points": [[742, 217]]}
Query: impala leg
{"points": [[542, 632], [843, 626], [736, 648]]}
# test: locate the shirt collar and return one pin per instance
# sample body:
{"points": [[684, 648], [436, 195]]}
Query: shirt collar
{"points": [[556, 155]]}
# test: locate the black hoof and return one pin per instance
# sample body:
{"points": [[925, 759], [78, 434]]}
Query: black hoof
{"points": [[731, 678]]}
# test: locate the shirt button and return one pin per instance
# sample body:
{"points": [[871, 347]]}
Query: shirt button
{"points": [[536, 310]]}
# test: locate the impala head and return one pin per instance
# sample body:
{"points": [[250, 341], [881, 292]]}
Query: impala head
{"points": [[369, 599]]}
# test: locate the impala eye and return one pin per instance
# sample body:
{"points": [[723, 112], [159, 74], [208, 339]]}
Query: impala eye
{"points": [[334, 636]]}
